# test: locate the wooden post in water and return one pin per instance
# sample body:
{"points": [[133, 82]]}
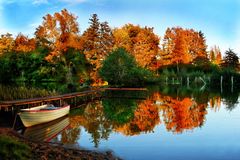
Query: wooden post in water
{"points": [[231, 83], [181, 81], [221, 83], [195, 79], [60, 102], [166, 80], [187, 82], [173, 80], [75, 101]]}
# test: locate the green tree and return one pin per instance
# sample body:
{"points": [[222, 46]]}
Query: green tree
{"points": [[120, 69], [231, 60]]}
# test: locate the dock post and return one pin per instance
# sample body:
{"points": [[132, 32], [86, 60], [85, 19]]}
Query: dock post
{"points": [[60, 102], [187, 82], [221, 83], [75, 101], [231, 83]]}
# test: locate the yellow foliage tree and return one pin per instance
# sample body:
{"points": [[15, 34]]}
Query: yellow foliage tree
{"points": [[59, 32], [142, 43], [215, 55], [6, 43]]}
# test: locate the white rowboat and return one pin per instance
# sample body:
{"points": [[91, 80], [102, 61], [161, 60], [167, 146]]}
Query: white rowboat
{"points": [[42, 114]]}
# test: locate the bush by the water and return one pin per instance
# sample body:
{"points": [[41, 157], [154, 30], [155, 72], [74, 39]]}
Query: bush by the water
{"points": [[121, 69]]}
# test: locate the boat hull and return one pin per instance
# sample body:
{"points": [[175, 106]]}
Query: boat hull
{"points": [[34, 117]]}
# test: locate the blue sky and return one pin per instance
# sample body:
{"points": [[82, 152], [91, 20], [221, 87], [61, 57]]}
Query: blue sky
{"points": [[219, 20]]}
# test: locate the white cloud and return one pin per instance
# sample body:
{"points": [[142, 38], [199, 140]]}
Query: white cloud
{"points": [[73, 1], [38, 2]]}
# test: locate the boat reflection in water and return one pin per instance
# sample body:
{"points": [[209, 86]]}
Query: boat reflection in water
{"points": [[47, 131]]}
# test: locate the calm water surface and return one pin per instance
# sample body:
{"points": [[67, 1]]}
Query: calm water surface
{"points": [[159, 126]]}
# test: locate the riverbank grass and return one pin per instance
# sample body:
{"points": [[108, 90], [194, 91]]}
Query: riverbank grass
{"points": [[13, 149]]}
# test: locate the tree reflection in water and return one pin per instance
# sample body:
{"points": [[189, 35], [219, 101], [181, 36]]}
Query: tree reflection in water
{"points": [[94, 122], [180, 114], [119, 111], [146, 117], [133, 117]]}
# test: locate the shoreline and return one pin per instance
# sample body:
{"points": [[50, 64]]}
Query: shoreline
{"points": [[44, 150]]}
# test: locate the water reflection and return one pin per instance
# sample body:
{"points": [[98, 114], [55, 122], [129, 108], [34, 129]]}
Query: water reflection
{"points": [[47, 131], [94, 122], [178, 111], [146, 117], [182, 114]]}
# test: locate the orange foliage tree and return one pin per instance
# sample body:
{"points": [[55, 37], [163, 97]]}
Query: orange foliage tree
{"points": [[142, 43], [6, 43], [182, 46], [97, 44], [24, 44], [215, 55], [58, 32]]}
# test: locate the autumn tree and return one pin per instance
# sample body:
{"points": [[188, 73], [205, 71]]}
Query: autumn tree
{"points": [[141, 42], [106, 38], [122, 39], [167, 47], [6, 43], [24, 44], [179, 53], [215, 55], [197, 44], [58, 32], [97, 43], [182, 46]]}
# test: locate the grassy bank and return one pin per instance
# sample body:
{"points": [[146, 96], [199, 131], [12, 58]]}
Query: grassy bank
{"points": [[13, 146]]}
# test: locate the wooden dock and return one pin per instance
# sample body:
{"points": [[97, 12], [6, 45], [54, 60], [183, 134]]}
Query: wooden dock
{"points": [[12, 105], [26, 103]]}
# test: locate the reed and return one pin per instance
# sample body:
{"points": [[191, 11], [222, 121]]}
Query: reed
{"points": [[14, 92]]}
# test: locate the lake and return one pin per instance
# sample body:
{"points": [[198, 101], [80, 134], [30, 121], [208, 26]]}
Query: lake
{"points": [[164, 123]]}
